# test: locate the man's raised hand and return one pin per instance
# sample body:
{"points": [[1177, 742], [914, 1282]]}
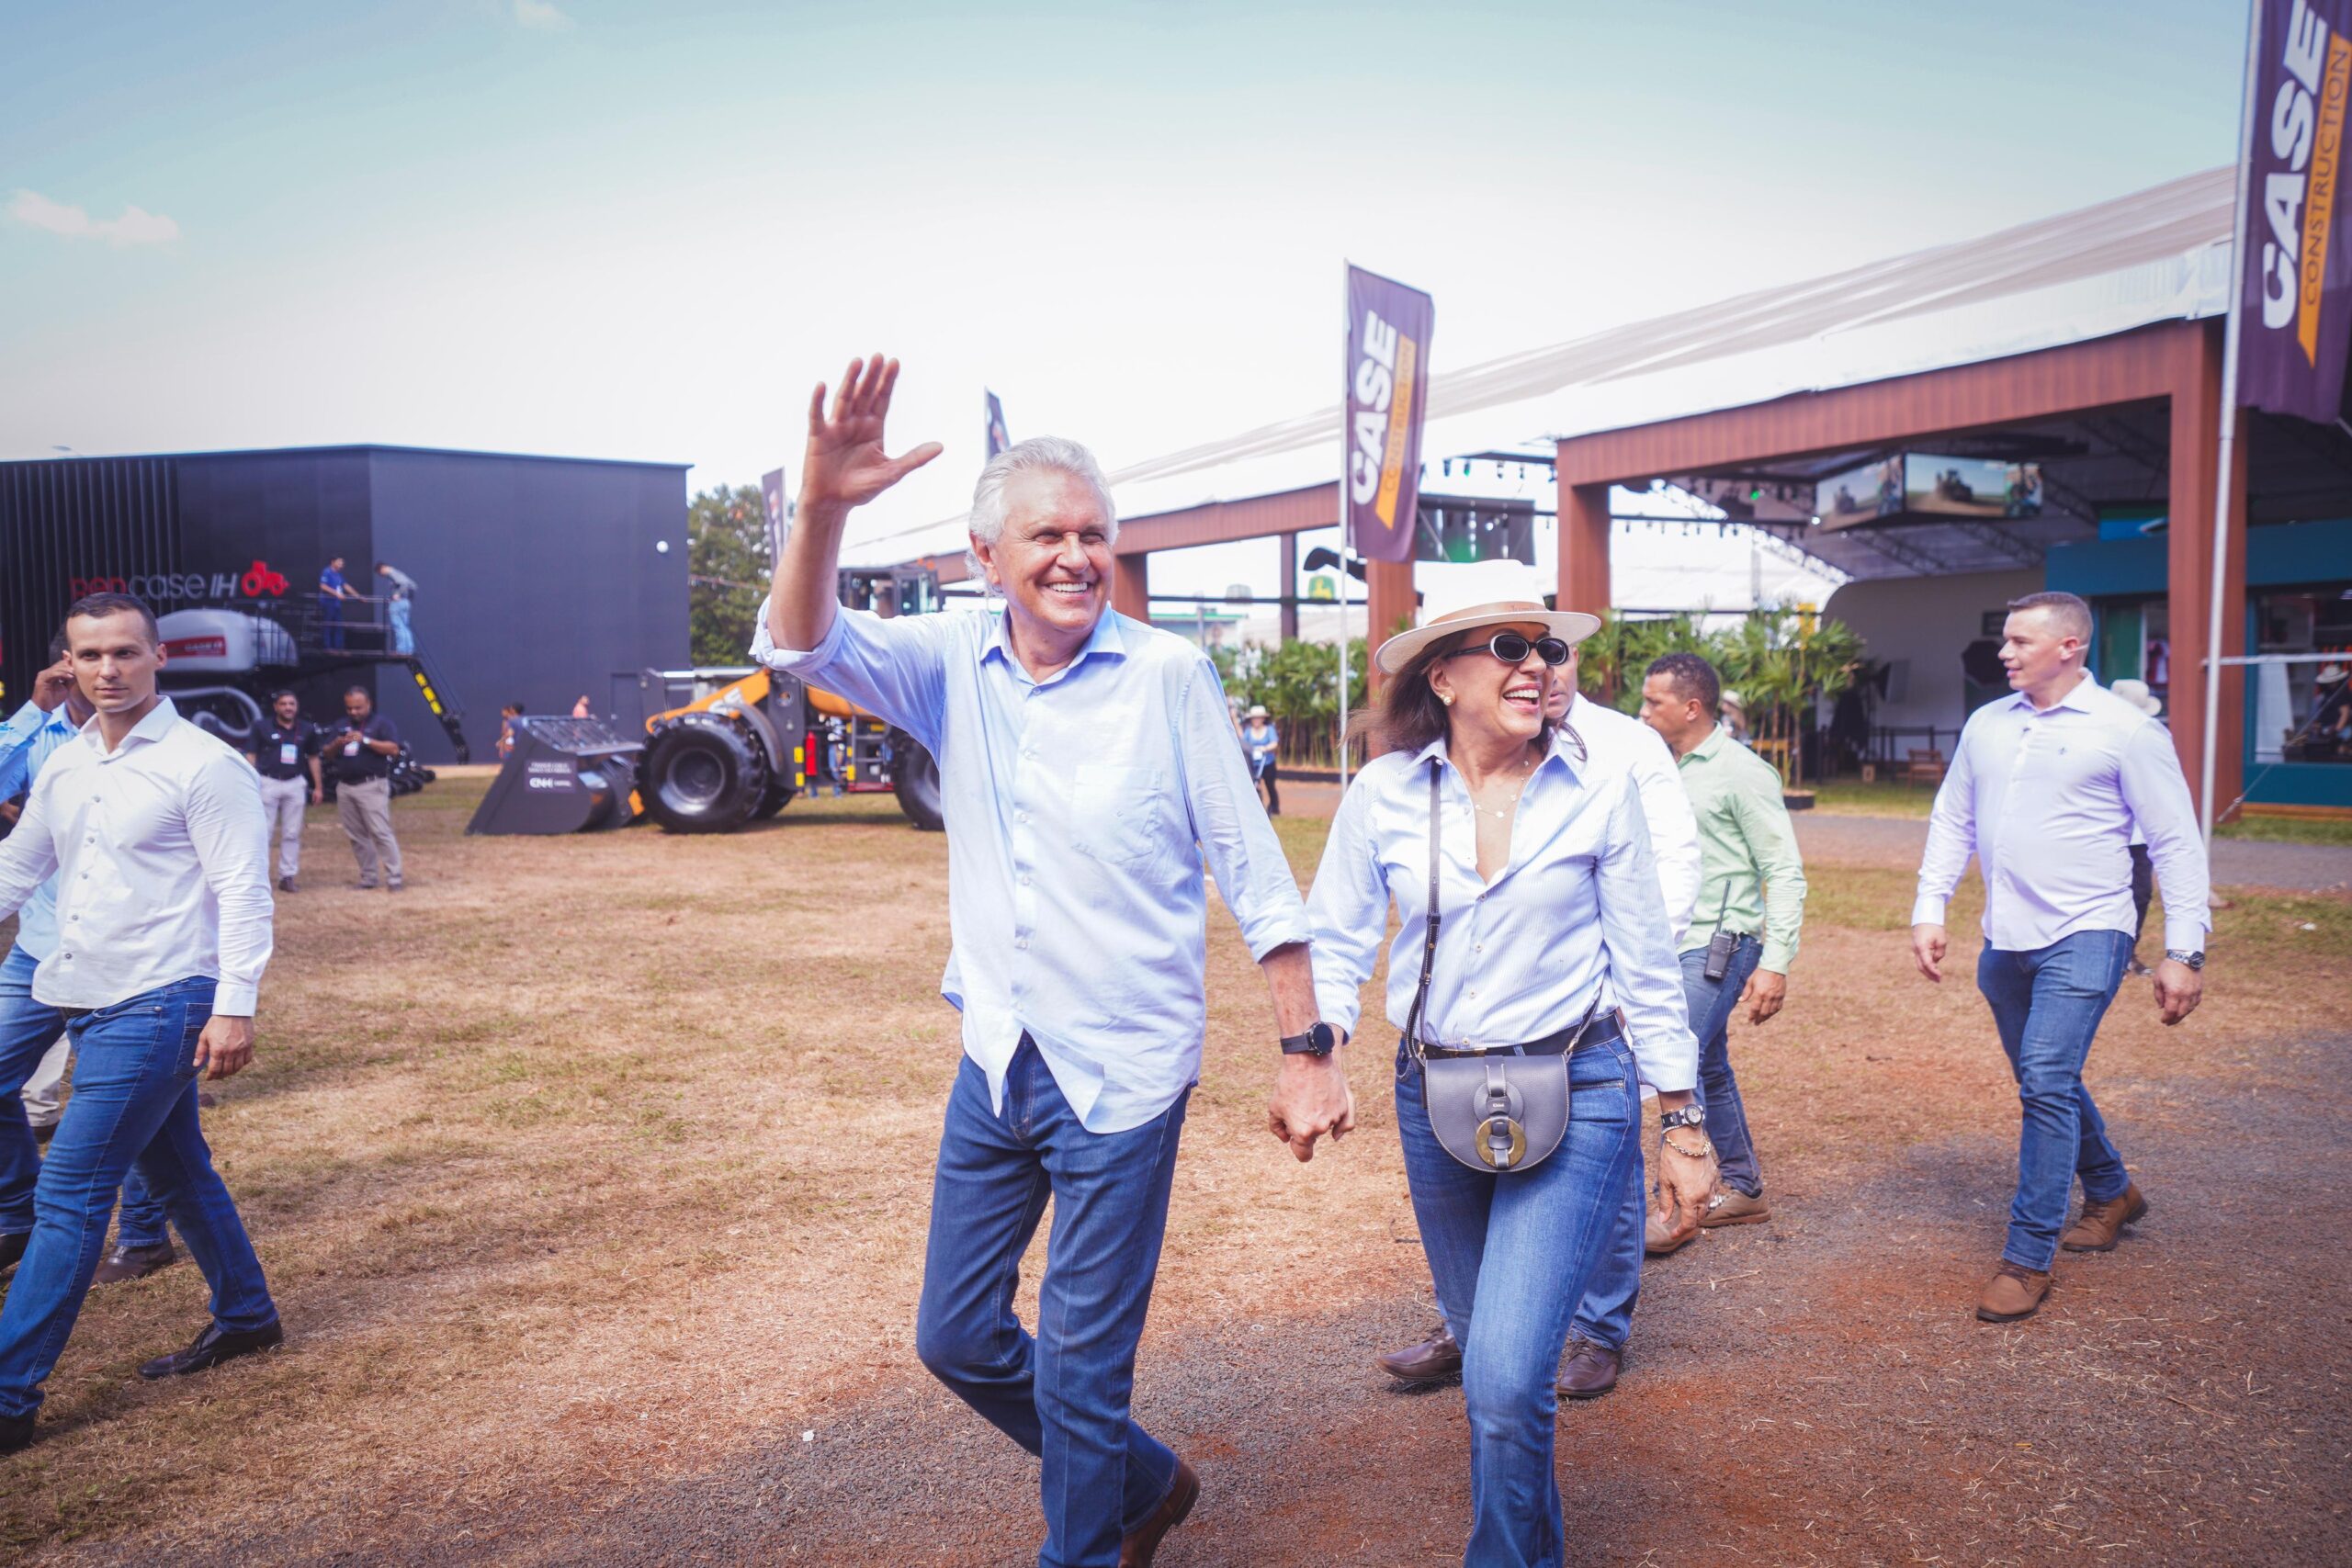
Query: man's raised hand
{"points": [[846, 465]]}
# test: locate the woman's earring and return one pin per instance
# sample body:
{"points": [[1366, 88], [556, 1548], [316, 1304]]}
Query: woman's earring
{"points": [[1446, 697]]}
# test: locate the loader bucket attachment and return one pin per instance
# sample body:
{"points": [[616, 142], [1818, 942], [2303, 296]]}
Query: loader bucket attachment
{"points": [[565, 775]]}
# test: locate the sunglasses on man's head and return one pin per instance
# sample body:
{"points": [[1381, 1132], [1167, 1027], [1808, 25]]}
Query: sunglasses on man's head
{"points": [[1512, 649]]}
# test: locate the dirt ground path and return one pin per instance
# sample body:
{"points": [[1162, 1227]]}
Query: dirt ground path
{"points": [[577, 1272]]}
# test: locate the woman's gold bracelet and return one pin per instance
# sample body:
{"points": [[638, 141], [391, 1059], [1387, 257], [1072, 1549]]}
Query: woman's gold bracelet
{"points": [[1687, 1153]]}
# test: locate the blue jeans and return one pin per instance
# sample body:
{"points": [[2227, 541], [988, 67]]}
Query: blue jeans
{"points": [[1510, 1256], [1064, 1394], [1606, 1315], [2047, 1004], [140, 1223], [134, 1095], [403, 637], [27, 1029]]}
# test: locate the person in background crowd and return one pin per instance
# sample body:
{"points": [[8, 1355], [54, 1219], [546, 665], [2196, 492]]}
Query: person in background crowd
{"points": [[333, 592], [154, 831], [2144, 870], [286, 754], [1086, 775], [1615, 743], [581, 708], [1260, 738], [360, 756], [29, 1032], [400, 593], [2045, 789], [1552, 938], [506, 717], [1734, 715]]}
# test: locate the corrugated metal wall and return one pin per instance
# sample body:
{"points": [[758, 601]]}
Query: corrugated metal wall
{"points": [[63, 523]]}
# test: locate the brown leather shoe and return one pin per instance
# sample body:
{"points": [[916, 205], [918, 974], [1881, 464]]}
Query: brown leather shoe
{"points": [[1436, 1358], [1591, 1369], [135, 1262], [1142, 1543], [2102, 1223], [1659, 1241], [2013, 1292], [1732, 1207]]}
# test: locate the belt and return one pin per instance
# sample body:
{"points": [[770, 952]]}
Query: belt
{"points": [[1606, 1029]]}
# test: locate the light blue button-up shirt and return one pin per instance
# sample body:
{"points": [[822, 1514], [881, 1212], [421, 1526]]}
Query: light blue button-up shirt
{"points": [[1575, 914], [26, 741], [1074, 807], [2050, 801]]}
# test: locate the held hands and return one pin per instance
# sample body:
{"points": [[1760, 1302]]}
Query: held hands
{"points": [[1928, 945], [1311, 1098], [846, 465], [2178, 991], [225, 1046], [1765, 993]]}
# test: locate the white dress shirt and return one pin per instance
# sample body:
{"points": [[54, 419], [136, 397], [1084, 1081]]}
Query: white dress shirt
{"points": [[1078, 811], [162, 861], [1575, 914], [2047, 799], [1620, 741]]}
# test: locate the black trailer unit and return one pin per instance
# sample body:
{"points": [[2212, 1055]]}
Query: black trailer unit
{"points": [[535, 574]]}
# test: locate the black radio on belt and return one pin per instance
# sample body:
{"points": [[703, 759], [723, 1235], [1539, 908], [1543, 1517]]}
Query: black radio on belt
{"points": [[1720, 945]]}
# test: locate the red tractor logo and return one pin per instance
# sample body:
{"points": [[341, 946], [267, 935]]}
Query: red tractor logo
{"points": [[260, 579]]}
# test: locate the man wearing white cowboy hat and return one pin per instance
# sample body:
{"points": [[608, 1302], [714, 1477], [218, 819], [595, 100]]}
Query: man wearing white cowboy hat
{"points": [[1259, 739]]}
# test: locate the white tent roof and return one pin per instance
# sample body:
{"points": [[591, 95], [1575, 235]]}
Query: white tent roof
{"points": [[2157, 254]]}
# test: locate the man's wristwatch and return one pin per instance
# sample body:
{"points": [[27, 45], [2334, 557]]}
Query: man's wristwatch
{"points": [[2194, 960], [1691, 1115], [1319, 1040]]}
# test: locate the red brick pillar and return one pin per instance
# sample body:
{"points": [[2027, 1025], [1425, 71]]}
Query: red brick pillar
{"points": [[1583, 549], [1131, 586], [2195, 457]]}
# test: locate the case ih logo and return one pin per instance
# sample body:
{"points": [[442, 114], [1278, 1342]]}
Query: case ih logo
{"points": [[196, 647], [257, 582]]}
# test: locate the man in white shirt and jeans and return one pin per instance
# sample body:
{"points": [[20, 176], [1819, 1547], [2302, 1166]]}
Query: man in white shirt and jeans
{"points": [[154, 831], [2044, 788]]}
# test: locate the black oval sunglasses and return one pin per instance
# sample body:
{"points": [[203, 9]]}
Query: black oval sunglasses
{"points": [[1512, 649]]}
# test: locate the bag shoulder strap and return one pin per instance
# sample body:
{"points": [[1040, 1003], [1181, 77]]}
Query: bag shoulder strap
{"points": [[1429, 943]]}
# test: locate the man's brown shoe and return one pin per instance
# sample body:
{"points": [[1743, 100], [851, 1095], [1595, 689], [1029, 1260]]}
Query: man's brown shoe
{"points": [[1433, 1359], [1732, 1207], [1142, 1543], [2014, 1292], [1657, 1240], [2102, 1223], [1591, 1369], [135, 1262]]}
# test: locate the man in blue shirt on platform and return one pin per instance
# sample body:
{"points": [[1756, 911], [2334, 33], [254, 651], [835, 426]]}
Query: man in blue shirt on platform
{"points": [[1082, 756]]}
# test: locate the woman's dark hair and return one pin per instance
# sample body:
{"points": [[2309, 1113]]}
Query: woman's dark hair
{"points": [[1407, 715]]}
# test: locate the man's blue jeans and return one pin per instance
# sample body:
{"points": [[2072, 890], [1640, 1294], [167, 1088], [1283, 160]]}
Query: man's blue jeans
{"points": [[403, 637], [1606, 1316], [2047, 1004], [141, 1223], [134, 1096], [1510, 1256], [1064, 1394], [27, 1029]]}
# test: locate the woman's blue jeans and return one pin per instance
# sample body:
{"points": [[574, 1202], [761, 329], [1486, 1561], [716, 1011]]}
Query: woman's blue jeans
{"points": [[1510, 1256], [1063, 1395], [2047, 1003], [134, 1098]]}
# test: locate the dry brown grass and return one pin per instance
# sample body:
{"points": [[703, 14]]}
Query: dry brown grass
{"points": [[588, 1159]]}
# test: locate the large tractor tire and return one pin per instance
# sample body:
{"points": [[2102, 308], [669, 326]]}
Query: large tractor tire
{"points": [[702, 774], [779, 796], [915, 779]]}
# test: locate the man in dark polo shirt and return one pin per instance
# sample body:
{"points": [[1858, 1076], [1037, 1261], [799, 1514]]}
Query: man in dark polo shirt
{"points": [[286, 753], [360, 756]]}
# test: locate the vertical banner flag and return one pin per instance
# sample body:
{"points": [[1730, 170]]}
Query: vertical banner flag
{"points": [[998, 439], [1387, 397], [779, 526], [2295, 316]]}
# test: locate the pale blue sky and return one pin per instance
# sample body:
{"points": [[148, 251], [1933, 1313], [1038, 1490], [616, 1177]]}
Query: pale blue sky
{"points": [[636, 231]]}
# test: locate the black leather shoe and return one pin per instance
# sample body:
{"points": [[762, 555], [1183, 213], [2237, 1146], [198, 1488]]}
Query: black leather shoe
{"points": [[42, 1134], [1591, 1372], [1433, 1359], [12, 1249], [211, 1348], [17, 1432]]}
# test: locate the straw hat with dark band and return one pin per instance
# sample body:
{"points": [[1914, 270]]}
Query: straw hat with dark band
{"points": [[1470, 596]]}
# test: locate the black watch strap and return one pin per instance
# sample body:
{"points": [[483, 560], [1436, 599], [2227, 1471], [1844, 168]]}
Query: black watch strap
{"points": [[1319, 1040]]}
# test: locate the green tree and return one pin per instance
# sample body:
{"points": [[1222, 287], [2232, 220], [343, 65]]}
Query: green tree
{"points": [[726, 560]]}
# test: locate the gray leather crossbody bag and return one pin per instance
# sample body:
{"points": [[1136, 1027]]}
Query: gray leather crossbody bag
{"points": [[1500, 1110]]}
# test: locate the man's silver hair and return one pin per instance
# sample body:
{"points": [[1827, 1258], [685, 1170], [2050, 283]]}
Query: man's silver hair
{"points": [[1046, 453]]}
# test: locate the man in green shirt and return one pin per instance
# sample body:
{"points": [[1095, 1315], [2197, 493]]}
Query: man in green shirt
{"points": [[1751, 901]]}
